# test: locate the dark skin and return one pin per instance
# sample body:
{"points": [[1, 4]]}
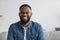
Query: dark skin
{"points": [[25, 15]]}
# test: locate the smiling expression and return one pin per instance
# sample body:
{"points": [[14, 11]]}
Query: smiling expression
{"points": [[25, 14]]}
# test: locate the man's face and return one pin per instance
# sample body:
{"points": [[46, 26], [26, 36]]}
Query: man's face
{"points": [[25, 14]]}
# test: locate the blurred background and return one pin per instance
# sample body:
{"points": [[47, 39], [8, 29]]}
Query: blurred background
{"points": [[45, 12]]}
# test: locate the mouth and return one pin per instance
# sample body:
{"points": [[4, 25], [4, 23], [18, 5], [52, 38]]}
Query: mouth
{"points": [[25, 18]]}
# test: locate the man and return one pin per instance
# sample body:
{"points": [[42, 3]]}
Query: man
{"points": [[25, 29]]}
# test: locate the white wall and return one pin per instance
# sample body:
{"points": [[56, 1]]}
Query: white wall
{"points": [[46, 12]]}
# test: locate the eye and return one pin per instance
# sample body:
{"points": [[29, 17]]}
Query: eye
{"points": [[22, 12], [27, 12]]}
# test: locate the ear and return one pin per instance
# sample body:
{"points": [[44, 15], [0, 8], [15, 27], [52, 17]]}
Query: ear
{"points": [[19, 14], [31, 13]]}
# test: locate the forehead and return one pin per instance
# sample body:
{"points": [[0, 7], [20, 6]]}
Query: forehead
{"points": [[25, 9]]}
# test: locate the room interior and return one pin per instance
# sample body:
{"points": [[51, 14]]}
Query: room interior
{"points": [[45, 12]]}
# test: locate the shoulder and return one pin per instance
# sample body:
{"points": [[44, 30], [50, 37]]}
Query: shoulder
{"points": [[13, 25], [36, 24]]}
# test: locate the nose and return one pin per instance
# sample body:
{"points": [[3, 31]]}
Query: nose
{"points": [[24, 14]]}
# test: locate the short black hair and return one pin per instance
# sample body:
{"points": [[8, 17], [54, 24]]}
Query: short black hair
{"points": [[24, 5]]}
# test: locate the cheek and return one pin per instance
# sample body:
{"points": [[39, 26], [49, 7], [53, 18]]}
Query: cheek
{"points": [[20, 15], [30, 15]]}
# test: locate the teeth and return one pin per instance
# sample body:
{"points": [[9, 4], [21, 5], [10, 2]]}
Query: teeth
{"points": [[24, 17]]}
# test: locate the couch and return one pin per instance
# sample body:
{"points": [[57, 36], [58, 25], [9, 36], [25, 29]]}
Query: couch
{"points": [[55, 35]]}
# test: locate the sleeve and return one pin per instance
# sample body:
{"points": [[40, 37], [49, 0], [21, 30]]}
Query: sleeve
{"points": [[40, 33], [10, 33]]}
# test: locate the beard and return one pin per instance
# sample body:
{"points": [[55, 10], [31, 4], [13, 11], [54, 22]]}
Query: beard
{"points": [[24, 21]]}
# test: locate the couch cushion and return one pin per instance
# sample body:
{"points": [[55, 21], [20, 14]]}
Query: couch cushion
{"points": [[52, 35], [3, 36]]}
